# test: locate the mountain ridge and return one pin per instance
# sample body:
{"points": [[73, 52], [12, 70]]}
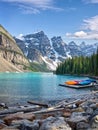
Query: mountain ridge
{"points": [[40, 49]]}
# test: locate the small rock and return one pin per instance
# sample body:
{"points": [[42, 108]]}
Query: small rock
{"points": [[44, 116], [95, 112], [89, 110], [74, 106], [96, 105], [82, 126], [1, 121], [85, 104], [2, 125], [2, 104], [93, 106], [16, 123], [49, 119], [79, 109], [79, 103], [66, 114], [10, 128]]}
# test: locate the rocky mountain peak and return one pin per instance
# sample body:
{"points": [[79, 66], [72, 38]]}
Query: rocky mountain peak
{"points": [[72, 43], [41, 33], [57, 41], [59, 46], [83, 44]]}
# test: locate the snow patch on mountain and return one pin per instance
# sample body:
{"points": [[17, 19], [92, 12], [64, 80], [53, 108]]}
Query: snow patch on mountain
{"points": [[68, 55], [50, 64], [20, 36]]}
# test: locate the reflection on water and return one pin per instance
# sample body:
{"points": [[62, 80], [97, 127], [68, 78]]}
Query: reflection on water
{"points": [[20, 87]]}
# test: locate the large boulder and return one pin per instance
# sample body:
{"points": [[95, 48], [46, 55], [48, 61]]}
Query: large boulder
{"points": [[77, 117], [94, 123], [27, 125], [18, 116], [53, 123]]}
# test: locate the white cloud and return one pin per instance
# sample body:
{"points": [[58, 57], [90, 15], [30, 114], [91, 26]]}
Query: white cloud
{"points": [[91, 23], [34, 2], [94, 1], [34, 6], [89, 29], [91, 1], [80, 34], [28, 10], [83, 35]]}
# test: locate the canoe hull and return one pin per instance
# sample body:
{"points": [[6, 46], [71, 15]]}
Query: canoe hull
{"points": [[78, 86]]}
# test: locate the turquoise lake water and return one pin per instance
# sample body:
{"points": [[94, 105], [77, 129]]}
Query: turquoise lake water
{"points": [[21, 87]]}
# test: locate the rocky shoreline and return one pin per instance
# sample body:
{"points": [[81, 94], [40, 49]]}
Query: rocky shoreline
{"points": [[70, 114]]}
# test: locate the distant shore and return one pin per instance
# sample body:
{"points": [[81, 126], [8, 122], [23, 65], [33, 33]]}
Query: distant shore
{"points": [[81, 75]]}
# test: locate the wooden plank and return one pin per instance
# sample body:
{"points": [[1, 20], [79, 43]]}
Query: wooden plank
{"points": [[18, 109], [55, 108], [37, 103], [66, 104], [49, 110]]}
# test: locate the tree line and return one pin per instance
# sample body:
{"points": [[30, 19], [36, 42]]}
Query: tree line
{"points": [[80, 65]]}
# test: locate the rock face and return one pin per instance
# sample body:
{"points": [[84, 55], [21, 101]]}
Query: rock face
{"points": [[59, 45], [60, 48], [75, 50], [38, 48], [11, 56]]}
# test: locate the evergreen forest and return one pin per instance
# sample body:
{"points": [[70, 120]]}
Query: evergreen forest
{"points": [[80, 65]]}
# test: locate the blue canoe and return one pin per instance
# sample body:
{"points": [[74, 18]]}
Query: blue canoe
{"points": [[92, 80], [85, 82]]}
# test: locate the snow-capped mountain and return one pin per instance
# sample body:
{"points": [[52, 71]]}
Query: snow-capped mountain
{"points": [[39, 48]]}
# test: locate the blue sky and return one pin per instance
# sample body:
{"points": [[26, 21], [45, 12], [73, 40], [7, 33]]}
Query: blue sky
{"points": [[72, 19]]}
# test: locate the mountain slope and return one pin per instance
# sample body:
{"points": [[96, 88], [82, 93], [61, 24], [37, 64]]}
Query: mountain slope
{"points": [[11, 56], [7, 66]]}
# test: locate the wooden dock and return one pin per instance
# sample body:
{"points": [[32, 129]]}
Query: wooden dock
{"points": [[78, 86]]}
